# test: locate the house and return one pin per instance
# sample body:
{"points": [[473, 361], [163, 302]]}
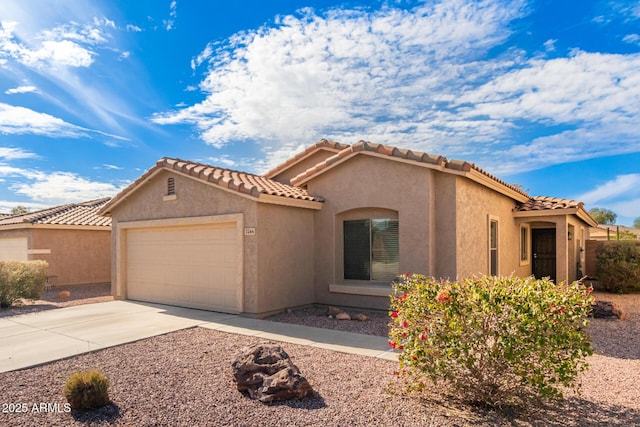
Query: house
{"points": [[333, 225], [72, 238], [613, 232]]}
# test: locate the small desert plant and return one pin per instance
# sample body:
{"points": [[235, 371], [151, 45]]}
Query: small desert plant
{"points": [[497, 341], [618, 265], [87, 390], [21, 279]]}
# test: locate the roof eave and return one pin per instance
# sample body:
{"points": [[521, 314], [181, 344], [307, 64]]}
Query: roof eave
{"points": [[289, 201], [488, 182]]}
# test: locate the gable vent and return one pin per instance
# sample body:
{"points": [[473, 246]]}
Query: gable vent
{"points": [[171, 186]]}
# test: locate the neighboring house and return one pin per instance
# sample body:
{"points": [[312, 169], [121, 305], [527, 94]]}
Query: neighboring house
{"points": [[610, 232], [333, 225], [72, 238]]}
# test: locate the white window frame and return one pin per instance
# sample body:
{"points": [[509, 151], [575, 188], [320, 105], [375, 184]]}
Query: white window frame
{"points": [[490, 220], [525, 246]]}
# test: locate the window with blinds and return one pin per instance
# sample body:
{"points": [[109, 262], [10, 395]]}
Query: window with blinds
{"points": [[371, 249], [493, 247]]}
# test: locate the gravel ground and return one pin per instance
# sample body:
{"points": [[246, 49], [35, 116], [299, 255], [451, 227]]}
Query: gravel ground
{"points": [[80, 294], [316, 316], [184, 379]]}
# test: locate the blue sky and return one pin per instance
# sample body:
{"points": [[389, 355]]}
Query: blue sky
{"points": [[545, 94]]}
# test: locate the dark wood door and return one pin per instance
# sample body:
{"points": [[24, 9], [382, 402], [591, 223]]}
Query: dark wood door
{"points": [[543, 248]]}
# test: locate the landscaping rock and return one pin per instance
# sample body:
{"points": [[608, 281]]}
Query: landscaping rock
{"points": [[333, 311], [267, 374], [64, 294], [360, 317], [343, 316], [608, 310]]}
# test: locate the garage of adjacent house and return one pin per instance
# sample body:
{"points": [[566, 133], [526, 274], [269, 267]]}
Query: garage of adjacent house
{"points": [[194, 266], [13, 248]]}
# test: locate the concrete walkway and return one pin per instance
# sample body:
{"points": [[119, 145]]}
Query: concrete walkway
{"points": [[36, 338]]}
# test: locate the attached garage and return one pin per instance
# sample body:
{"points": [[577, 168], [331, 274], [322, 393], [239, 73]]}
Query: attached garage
{"points": [[194, 266], [193, 235]]}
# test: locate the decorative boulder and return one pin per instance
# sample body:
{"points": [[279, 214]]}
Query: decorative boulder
{"points": [[333, 311], [343, 316], [360, 317], [608, 310], [267, 374]]}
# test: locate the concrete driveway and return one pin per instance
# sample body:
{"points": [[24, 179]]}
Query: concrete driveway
{"points": [[36, 338]]}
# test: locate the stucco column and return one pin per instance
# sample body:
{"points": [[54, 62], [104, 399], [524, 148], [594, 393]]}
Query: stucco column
{"points": [[562, 251]]}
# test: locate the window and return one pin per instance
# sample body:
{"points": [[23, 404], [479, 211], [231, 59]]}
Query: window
{"points": [[171, 186], [493, 246], [371, 250], [524, 244]]}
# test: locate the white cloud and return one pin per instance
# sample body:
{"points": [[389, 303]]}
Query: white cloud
{"points": [[632, 39], [133, 28], [21, 89], [60, 46], [348, 74], [20, 120], [550, 45], [419, 78], [62, 187], [169, 23], [111, 167], [621, 195], [9, 153], [622, 186], [66, 53]]}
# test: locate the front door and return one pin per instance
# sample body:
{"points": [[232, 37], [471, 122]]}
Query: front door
{"points": [[543, 247]]}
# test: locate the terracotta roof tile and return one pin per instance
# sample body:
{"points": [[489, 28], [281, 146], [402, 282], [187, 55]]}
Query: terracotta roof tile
{"points": [[240, 182], [365, 146], [542, 203], [416, 156], [76, 214], [322, 144]]}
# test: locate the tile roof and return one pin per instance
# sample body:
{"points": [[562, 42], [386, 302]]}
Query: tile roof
{"points": [[399, 153], [543, 203], [323, 144], [73, 214], [240, 182]]}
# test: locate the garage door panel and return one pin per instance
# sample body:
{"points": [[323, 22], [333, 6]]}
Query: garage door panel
{"points": [[189, 266]]}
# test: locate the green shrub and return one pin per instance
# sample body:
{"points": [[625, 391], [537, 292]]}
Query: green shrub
{"points": [[21, 279], [87, 390], [491, 340], [618, 266]]}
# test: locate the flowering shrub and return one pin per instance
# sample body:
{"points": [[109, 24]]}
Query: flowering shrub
{"points": [[492, 340]]}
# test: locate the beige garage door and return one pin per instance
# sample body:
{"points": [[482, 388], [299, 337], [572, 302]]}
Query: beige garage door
{"points": [[13, 249], [190, 266]]}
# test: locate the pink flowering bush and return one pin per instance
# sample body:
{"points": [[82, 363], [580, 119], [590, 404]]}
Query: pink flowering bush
{"points": [[491, 340]]}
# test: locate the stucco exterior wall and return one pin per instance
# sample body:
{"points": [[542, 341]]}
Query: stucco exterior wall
{"points": [[285, 257], [193, 199], [445, 187], [475, 205], [369, 183], [77, 257]]}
